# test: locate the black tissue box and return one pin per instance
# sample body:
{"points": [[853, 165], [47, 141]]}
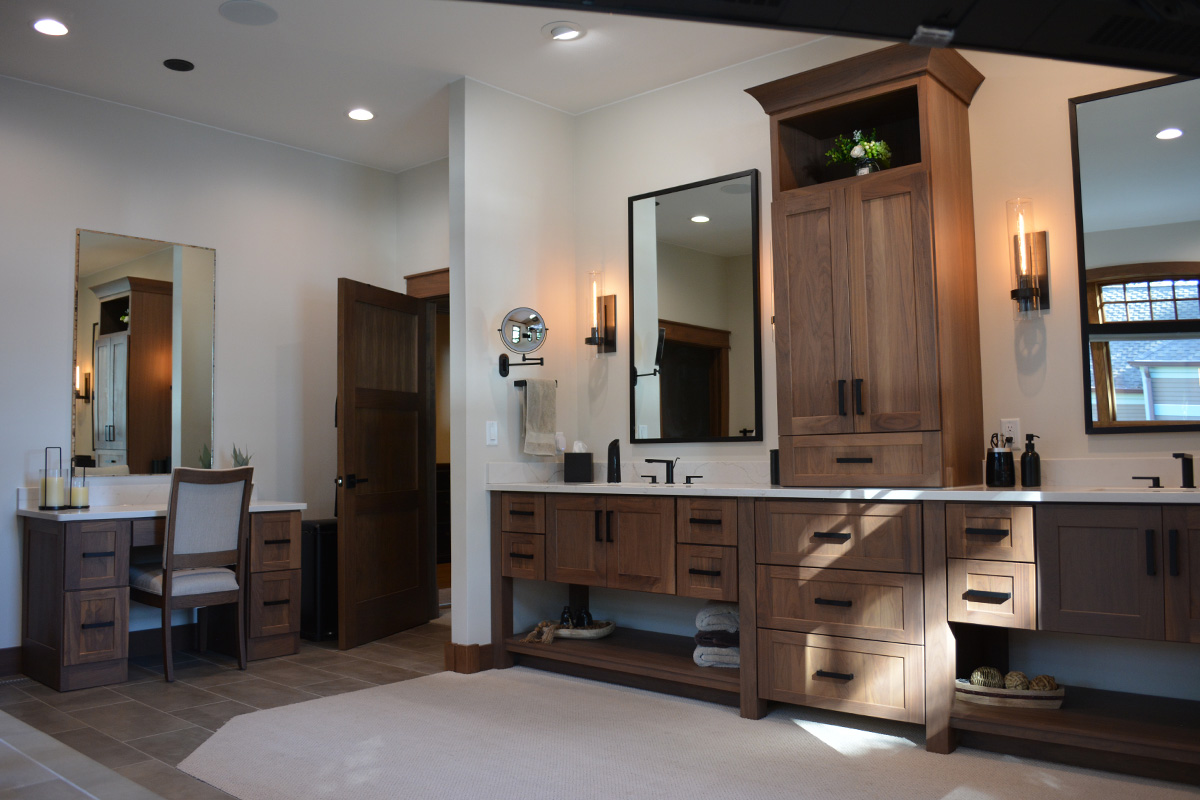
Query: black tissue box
{"points": [[577, 468]]}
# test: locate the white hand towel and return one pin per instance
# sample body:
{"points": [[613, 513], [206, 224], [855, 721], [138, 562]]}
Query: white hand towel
{"points": [[717, 656], [539, 416]]}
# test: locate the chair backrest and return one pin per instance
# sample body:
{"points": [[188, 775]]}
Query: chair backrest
{"points": [[207, 517]]}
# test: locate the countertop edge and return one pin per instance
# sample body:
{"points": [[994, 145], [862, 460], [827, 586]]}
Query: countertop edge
{"points": [[141, 511]]}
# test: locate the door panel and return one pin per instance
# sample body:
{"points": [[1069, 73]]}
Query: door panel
{"points": [[576, 550], [641, 554], [1182, 574]]}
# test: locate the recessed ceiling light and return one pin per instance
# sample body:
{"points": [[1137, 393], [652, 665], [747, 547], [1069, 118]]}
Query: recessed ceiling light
{"points": [[50, 27], [361, 114], [1169, 133], [699, 218], [248, 12], [562, 31], [179, 65]]}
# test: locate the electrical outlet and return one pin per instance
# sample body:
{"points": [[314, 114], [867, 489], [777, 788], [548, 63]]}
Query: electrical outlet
{"points": [[1011, 428]]}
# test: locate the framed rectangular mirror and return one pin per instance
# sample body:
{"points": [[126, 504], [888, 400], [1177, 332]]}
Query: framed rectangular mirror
{"points": [[1136, 155], [144, 327], [696, 353]]}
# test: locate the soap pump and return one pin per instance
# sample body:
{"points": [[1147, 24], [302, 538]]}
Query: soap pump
{"points": [[1031, 463]]}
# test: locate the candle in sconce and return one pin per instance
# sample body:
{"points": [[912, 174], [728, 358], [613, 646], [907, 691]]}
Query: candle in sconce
{"points": [[53, 492], [79, 492]]}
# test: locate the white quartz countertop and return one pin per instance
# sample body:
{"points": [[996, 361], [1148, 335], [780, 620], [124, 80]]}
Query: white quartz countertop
{"points": [[968, 494], [139, 511]]}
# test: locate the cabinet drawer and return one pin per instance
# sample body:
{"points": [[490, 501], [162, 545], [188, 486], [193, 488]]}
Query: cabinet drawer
{"points": [[274, 541], [274, 603], [990, 532], [878, 679], [705, 521], [95, 625], [96, 555], [871, 536], [708, 572], [861, 459], [999, 593], [523, 556], [523, 513], [869, 605]]}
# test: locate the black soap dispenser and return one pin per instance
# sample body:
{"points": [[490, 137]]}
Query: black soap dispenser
{"points": [[614, 461], [1031, 464]]}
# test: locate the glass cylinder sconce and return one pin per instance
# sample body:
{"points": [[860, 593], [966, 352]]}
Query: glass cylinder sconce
{"points": [[1028, 260], [602, 309], [52, 484], [79, 488]]}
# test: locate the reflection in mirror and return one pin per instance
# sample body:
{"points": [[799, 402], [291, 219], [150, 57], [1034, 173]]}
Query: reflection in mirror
{"points": [[144, 316], [1138, 229], [523, 330], [693, 263]]}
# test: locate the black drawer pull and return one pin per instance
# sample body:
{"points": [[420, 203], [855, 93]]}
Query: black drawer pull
{"points": [[712, 573], [105, 554], [985, 532], [1173, 553], [980, 594], [841, 537], [1151, 558], [87, 626], [277, 541], [698, 521], [276, 602], [516, 513], [520, 555], [856, 460], [822, 601], [841, 676]]}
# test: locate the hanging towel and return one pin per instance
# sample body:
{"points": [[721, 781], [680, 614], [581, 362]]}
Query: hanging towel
{"points": [[538, 417], [718, 617]]}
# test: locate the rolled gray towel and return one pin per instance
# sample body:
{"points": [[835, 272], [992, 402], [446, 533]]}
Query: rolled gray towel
{"points": [[717, 638], [729, 657], [718, 617]]}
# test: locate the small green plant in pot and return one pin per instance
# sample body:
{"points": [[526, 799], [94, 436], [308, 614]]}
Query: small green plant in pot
{"points": [[205, 458], [240, 458], [867, 152]]}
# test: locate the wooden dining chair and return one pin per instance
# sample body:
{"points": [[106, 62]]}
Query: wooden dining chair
{"points": [[204, 555]]}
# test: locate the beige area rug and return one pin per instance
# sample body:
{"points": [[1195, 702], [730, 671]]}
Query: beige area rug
{"points": [[523, 733]]}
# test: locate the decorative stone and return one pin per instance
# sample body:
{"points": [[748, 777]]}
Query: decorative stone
{"points": [[987, 676], [1043, 683], [1016, 680]]}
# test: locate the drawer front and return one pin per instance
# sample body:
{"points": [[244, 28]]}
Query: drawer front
{"points": [[706, 521], [95, 625], [861, 459], [274, 541], [869, 605], [110, 458], [523, 556], [990, 532], [523, 513], [274, 603], [707, 572], [1000, 593], [878, 679], [96, 555], [870, 536], [149, 532]]}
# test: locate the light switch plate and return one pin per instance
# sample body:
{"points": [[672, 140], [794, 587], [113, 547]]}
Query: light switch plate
{"points": [[492, 437]]}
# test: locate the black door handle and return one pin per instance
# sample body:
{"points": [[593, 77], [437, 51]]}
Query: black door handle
{"points": [[841, 676], [855, 460], [699, 521], [841, 398], [608, 527], [512, 512], [599, 514], [712, 573], [354, 480], [1151, 567], [991, 597], [520, 555], [276, 602], [105, 554], [858, 396], [87, 626], [985, 531], [1173, 553], [822, 601], [841, 537]]}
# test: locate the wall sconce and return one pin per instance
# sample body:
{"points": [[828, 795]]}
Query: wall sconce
{"points": [[604, 316], [1029, 262], [83, 393]]}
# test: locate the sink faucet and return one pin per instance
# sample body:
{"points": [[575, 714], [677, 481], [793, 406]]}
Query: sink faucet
{"points": [[1154, 484], [1189, 476], [670, 465]]}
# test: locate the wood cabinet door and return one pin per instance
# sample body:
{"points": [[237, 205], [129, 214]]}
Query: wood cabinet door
{"points": [[640, 534], [812, 314], [892, 305], [1099, 570], [1182, 525], [576, 550]]}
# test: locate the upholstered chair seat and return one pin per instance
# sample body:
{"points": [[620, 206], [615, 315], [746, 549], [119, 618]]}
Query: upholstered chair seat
{"points": [[186, 581]]}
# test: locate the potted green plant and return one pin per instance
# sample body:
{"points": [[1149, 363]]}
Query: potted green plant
{"points": [[240, 457], [867, 152]]}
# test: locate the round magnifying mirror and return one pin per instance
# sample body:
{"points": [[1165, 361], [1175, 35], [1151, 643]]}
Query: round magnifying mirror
{"points": [[523, 330]]}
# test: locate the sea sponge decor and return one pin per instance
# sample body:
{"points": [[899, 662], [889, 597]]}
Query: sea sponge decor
{"points": [[1043, 683], [987, 676], [1016, 680]]}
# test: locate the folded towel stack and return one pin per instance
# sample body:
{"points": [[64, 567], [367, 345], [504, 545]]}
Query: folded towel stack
{"points": [[717, 640]]}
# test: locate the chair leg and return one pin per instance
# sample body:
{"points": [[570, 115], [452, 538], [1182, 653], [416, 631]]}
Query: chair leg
{"points": [[241, 631], [168, 658], [202, 625]]}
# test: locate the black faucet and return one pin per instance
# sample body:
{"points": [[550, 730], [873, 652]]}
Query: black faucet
{"points": [[670, 465], [1154, 484], [1189, 476]]}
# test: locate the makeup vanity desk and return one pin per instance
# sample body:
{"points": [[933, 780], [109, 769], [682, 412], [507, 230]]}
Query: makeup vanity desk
{"points": [[75, 586]]}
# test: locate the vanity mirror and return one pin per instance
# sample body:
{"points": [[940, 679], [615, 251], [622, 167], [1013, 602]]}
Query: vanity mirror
{"points": [[1136, 154], [694, 302], [144, 317]]}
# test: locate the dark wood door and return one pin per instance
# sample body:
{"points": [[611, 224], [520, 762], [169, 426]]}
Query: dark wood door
{"points": [[386, 547], [576, 539], [1182, 525], [641, 543], [812, 311], [1100, 570], [892, 304]]}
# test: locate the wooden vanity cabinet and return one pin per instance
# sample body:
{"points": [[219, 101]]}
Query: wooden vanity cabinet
{"points": [[619, 542], [1182, 572]]}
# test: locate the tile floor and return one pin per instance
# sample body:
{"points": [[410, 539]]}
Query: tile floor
{"points": [[144, 727]]}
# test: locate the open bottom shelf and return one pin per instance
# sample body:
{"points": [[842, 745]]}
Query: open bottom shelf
{"points": [[653, 655]]}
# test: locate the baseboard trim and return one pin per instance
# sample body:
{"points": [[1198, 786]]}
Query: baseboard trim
{"points": [[468, 658], [10, 661], [148, 642]]}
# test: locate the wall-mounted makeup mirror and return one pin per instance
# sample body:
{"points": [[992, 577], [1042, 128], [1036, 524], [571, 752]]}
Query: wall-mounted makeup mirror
{"points": [[523, 330], [693, 275], [1137, 153], [144, 317]]}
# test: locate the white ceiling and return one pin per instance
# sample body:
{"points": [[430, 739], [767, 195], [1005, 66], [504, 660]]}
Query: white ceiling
{"points": [[100, 251], [727, 233], [294, 80]]}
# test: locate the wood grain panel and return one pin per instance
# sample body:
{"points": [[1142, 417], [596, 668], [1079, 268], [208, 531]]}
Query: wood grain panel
{"points": [[1182, 524], [870, 536], [95, 626], [386, 471], [523, 513], [274, 603], [149, 378], [861, 459], [967, 578], [990, 532], [502, 592], [868, 605], [751, 706], [641, 554], [274, 541], [523, 555], [385, 349], [149, 532], [940, 646], [695, 518], [433, 283], [576, 551], [96, 554], [695, 565]]}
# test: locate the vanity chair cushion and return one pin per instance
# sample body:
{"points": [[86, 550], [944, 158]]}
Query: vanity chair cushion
{"points": [[202, 580]]}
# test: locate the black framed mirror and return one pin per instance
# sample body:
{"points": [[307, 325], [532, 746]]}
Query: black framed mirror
{"points": [[696, 351], [1136, 153]]}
